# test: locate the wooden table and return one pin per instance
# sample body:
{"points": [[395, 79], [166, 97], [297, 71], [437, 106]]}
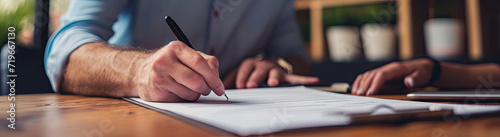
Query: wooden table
{"points": [[72, 115]]}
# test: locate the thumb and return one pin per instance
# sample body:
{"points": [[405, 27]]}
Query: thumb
{"points": [[415, 79], [296, 79]]}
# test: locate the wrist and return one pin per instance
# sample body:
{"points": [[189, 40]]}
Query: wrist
{"points": [[140, 70], [426, 63], [434, 68]]}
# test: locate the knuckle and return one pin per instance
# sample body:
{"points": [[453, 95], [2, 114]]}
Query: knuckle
{"points": [[381, 73], [267, 64], [367, 73], [264, 65], [249, 60], [202, 54], [198, 61], [173, 46], [382, 76], [213, 60], [394, 64], [198, 84], [176, 43], [160, 62]]}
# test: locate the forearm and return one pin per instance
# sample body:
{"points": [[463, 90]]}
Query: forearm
{"points": [[98, 70], [468, 76]]}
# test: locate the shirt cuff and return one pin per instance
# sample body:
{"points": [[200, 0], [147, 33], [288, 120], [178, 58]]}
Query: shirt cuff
{"points": [[59, 49]]}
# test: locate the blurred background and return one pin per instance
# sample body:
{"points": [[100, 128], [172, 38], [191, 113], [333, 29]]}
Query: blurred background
{"points": [[344, 37], [34, 21], [347, 37]]}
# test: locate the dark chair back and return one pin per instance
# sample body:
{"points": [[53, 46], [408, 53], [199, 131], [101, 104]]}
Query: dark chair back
{"points": [[29, 66]]}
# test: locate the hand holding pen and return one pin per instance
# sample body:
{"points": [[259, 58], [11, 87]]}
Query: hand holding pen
{"points": [[175, 73], [211, 61]]}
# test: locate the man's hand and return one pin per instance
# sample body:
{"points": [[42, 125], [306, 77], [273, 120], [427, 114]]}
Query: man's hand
{"points": [[173, 73], [414, 73], [252, 72], [177, 72]]}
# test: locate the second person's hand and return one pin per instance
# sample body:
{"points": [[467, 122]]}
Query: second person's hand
{"points": [[415, 73], [252, 72]]}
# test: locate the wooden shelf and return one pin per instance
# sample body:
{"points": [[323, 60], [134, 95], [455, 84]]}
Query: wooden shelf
{"points": [[306, 4], [411, 16], [317, 41], [474, 29]]}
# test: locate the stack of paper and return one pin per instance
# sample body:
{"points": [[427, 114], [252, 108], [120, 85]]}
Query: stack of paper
{"points": [[267, 110]]}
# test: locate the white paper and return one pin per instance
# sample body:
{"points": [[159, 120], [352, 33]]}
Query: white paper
{"points": [[267, 110]]}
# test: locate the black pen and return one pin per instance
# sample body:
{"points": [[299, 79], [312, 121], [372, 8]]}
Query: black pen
{"points": [[177, 31], [180, 35]]}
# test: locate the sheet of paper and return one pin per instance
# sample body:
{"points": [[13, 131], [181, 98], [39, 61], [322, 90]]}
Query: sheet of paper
{"points": [[267, 110]]}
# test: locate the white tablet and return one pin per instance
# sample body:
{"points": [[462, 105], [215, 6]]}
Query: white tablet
{"points": [[469, 95]]}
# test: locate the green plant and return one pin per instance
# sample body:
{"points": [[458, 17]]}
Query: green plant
{"points": [[20, 17], [357, 15], [335, 16]]}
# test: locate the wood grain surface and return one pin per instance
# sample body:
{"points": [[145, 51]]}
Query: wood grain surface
{"points": [[55, 115]]}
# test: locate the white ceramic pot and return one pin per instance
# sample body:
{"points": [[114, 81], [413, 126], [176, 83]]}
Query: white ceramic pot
{"points": [[444, 38], [343, 43], [379, 41]]}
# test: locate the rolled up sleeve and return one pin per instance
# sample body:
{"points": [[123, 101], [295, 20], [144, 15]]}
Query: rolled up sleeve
{"points": [[85, 21]]}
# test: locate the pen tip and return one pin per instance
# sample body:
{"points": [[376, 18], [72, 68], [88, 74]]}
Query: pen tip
{"points": [[227, 99]]}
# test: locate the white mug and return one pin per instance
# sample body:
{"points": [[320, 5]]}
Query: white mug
{"points": [[343, 43], [379, 41], [444, 38]]}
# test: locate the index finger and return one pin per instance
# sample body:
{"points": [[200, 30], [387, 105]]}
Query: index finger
{"points": [[197, 63], [297, 79]]}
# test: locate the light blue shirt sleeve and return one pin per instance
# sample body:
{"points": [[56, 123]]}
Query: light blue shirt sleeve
{"points": [[85, 21], [286, 38]]}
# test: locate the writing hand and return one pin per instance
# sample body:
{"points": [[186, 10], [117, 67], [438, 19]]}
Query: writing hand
{"points": [[176, 73]]}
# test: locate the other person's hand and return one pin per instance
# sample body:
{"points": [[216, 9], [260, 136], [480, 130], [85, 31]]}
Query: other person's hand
{"points": [[252, 72], [176, 73], [414, 73]]}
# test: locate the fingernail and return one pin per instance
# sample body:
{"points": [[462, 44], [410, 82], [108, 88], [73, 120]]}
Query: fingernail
{"points": [[252, 85], [359, 91], [411, 83], [369, 92]]}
